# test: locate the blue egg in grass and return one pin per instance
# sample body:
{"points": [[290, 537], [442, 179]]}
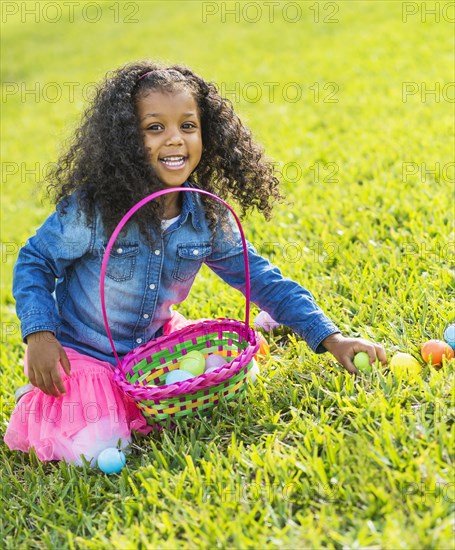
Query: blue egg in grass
{"points": [[111, 460], [178, 376], [449, 335]]}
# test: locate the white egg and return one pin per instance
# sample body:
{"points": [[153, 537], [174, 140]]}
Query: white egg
{"points": [[253, 372]]}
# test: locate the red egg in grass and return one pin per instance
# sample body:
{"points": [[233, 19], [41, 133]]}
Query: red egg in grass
{"points": [[435, 350]]}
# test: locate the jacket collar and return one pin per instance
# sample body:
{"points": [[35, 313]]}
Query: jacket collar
{"points": [[191, 205]]}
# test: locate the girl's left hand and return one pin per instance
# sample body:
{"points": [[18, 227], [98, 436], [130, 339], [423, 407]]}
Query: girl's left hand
{"points": [[344, 349]]}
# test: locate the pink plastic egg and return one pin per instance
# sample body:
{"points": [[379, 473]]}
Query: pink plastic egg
{"points": [[214, 362]]}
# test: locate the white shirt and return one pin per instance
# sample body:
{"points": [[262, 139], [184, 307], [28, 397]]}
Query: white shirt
{"points": [[167, 223]]}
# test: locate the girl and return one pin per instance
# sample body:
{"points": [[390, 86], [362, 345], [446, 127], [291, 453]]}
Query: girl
{"points": [[148, 128]]}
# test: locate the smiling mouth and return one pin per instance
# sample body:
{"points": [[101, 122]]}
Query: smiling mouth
{"points": [[174, 162]]}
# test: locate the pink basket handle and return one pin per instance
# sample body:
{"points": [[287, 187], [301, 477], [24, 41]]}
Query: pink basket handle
{"points": [[125, 219]]}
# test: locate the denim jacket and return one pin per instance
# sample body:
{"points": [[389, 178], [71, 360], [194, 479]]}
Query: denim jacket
{"points": [[57, 278]]}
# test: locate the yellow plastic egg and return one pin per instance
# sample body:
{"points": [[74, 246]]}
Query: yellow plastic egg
{"points": [[405, 365]]}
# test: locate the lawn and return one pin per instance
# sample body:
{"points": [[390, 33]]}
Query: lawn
{"points": [[354, 101]]}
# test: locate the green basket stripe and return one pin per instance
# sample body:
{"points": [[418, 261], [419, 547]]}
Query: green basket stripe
{"points": [[187, 398], [205, 408]]}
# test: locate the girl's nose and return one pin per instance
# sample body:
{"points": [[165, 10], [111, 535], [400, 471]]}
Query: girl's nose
{"points": [[174, 139]]}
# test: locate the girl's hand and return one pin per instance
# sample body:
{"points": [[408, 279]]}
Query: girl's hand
{"points": [[344, 349], [44, 355]]}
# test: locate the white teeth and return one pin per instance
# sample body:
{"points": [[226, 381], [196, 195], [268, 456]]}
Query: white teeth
{"points": [[173, 161]]}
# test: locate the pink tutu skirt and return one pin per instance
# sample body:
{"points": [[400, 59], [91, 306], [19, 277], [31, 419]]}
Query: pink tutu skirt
{"points": [[94, 413]]}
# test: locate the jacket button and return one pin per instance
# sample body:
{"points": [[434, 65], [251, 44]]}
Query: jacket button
{"points": [[146, 316], [138, 340], [195, 252], [119, 250], [152, 287], [157, 252]]}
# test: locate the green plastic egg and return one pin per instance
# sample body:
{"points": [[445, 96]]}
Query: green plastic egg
{"points": [[362, 362], [193, 362]]}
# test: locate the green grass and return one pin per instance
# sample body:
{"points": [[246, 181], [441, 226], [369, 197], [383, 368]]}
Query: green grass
{"points": [[309, 457]]}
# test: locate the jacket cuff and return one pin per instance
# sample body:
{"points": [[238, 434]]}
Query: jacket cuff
{"points": [[41, 328], [318, 332], [37, 321]]}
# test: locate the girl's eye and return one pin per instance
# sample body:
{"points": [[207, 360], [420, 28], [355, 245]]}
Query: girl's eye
{"points": [[185, 125]]}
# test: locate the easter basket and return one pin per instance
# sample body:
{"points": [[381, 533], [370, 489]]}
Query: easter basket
{"points": [[141, 373]]}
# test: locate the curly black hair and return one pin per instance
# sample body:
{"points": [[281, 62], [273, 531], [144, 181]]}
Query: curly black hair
{"points": [[107, 161]]}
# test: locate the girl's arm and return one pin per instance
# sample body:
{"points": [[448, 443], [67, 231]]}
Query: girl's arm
{"points": [[286, 301], [59, 242]]}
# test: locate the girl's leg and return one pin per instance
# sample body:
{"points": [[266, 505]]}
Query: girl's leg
{"points": [[92, 415]]}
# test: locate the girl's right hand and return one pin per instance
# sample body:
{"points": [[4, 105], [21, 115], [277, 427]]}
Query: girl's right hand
{"points": [[44, 354]]}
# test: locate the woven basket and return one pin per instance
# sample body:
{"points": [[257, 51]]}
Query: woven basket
{"points": [[141, 373]]}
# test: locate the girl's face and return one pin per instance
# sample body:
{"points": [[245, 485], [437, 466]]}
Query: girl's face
{"points": [[171, 127]]}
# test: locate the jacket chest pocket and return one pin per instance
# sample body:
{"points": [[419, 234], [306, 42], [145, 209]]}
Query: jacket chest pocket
{"points": [[189, 260], [122, 261]]}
